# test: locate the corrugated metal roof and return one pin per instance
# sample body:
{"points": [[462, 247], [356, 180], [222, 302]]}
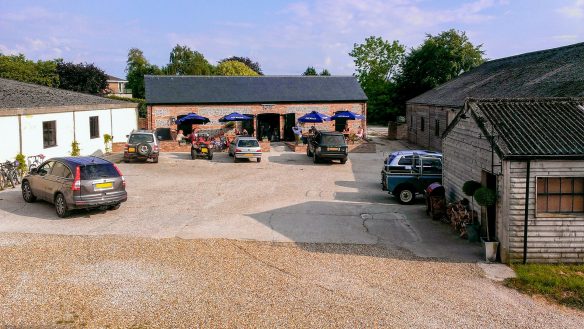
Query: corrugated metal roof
{"points": [[531, 128], [250, 90], [16, 94], [557, 72]]}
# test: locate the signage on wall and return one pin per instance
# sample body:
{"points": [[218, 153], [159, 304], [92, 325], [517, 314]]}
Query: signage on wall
{"points": [[161, 112], [306, 108], [222, 111]]}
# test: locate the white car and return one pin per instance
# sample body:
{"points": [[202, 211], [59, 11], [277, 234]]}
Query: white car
{"points": [[245, 148]]}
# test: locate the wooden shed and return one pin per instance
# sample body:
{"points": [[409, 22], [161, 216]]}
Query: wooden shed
{"points": [[531, 152]]}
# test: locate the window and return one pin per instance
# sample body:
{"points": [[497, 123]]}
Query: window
{"points": [[437, 128], [560, 195], [98, 171], [422, 123], [94, 127], [46, 168], [405, 161], [248, 143], [49, 133]]}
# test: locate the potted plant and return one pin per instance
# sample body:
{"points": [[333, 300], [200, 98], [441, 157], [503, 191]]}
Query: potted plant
{"points": [[486, 197], [469, 188]]}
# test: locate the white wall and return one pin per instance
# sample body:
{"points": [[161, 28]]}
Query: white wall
{"points": [[9, 138], [124, 121]]}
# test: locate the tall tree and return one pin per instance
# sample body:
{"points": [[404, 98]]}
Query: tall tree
{"points": [[310, 71], [439, 59], [136, 67], [234, 68], [255, 66], [184, 61], [377, 63], [18, 67], [325, 72], [82, 77]]}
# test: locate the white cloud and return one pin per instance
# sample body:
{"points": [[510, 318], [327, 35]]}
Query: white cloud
{"points": [[575, 10]]}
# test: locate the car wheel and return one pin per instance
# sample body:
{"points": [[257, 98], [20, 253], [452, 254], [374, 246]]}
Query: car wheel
{"points": [[115, 207], [229, 153], [315, 158], [27, 192], [210, 154], [235, 158], [259, 159], [61, 206], [406, 196], [344, 160], [193, 154], [155, 160], [126, 160]]}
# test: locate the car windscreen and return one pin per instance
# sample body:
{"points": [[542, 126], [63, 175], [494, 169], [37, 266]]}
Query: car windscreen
{"points": [[141, 138], [248, 143], [97, 171], [332, 140]]}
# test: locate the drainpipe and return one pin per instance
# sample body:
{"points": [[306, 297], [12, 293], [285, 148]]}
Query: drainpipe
{"points": [[525, 222]]}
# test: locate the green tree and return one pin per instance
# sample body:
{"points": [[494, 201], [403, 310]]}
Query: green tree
{"points": [[184, 61], [439, 59], [136, 67], [310, 71], [325, 72], [247, 61], [377, 64], [235, 68], [82, 77], [17, 67]]}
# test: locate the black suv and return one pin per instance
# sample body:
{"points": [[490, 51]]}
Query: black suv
{"points": [[142, 145], [329, 145]]}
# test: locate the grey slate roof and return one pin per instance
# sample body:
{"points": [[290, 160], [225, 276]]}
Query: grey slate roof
{"points": [[15, 94], [549, 128], [557, 72], [112, 78], [249, 90]]}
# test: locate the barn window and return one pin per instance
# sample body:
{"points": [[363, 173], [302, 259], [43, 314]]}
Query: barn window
{"points": [[560, 195], [94, 127], [437, 128], [422, 123], [49, 134]]}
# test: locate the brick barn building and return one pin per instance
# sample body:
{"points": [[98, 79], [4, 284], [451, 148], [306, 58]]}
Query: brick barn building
{"points": [[555, 72], [276, 102]]}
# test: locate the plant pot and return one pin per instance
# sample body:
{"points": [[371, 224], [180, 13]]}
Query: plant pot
{"points": [[473, 232], [491, 248]]}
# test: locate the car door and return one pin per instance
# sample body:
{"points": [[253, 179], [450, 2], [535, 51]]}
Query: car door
{"points": [[39, 184], [55, 180]]}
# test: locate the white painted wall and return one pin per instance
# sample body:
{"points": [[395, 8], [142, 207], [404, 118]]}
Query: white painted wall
{"points": [[124, 121], [9, 138]]}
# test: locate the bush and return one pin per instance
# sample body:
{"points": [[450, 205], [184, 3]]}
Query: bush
{"points": [[22, 166], [485, 196], [470, 187], [75, 150], [107, 139]]}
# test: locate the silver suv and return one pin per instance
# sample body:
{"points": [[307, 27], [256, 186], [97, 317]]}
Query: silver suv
{"points": [[142, 145], [76, 183]]}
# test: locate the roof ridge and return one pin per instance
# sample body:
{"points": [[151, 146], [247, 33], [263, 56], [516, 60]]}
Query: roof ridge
{"points": [[250, 76], [525, 100], [537, 52]]}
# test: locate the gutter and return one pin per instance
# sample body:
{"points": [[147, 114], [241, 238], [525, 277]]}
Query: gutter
{"points": [[525, 221], [545, 157]]}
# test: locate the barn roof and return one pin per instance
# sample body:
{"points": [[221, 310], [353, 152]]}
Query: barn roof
{"points": [[21, 95], [250, 90], [557, 72], [546, 128]]}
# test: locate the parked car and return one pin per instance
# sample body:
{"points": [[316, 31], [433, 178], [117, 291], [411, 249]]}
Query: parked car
{"points": [[329, 145], [245, 148], [404, 158], [405, 184], [76, 183], [142, 145]]}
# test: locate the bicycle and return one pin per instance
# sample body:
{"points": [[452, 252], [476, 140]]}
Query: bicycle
{"points": [[6, 175], [34, 161]]}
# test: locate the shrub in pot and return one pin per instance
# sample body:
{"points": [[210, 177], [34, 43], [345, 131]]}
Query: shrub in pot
{"points": [[487, 197]]}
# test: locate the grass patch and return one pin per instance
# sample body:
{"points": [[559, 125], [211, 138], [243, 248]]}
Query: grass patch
{"points": [[561, 283]]}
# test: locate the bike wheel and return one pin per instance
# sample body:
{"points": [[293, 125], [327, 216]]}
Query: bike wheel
{"points": [[14, 178], [2, 182]]}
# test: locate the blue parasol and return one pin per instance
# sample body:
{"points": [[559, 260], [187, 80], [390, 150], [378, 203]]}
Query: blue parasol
{"points": [[314, 117], [236, 117], [348, 115], [192, 118]]}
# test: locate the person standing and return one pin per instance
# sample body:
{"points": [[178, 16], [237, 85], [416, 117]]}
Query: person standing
{"points": [[297, 130]]}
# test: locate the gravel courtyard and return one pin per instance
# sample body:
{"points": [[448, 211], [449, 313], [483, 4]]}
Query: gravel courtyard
{"points": [[281, 243]]}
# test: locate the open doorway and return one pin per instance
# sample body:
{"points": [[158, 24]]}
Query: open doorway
{"points": [[490, 181], [289, 122], [268, 126], [186, 127], [248, 125], [340, 124]]}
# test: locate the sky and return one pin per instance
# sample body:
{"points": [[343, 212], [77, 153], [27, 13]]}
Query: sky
{"points": [[285, 37]]}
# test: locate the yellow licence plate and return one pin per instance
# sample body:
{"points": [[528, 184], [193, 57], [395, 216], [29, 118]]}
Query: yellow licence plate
{"points": [[333, 148], [248, 155], [131, 149], [104, 185], [204, 150]]}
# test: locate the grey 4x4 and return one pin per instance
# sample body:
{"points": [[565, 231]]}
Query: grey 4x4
{"points": [[142, 145]]}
